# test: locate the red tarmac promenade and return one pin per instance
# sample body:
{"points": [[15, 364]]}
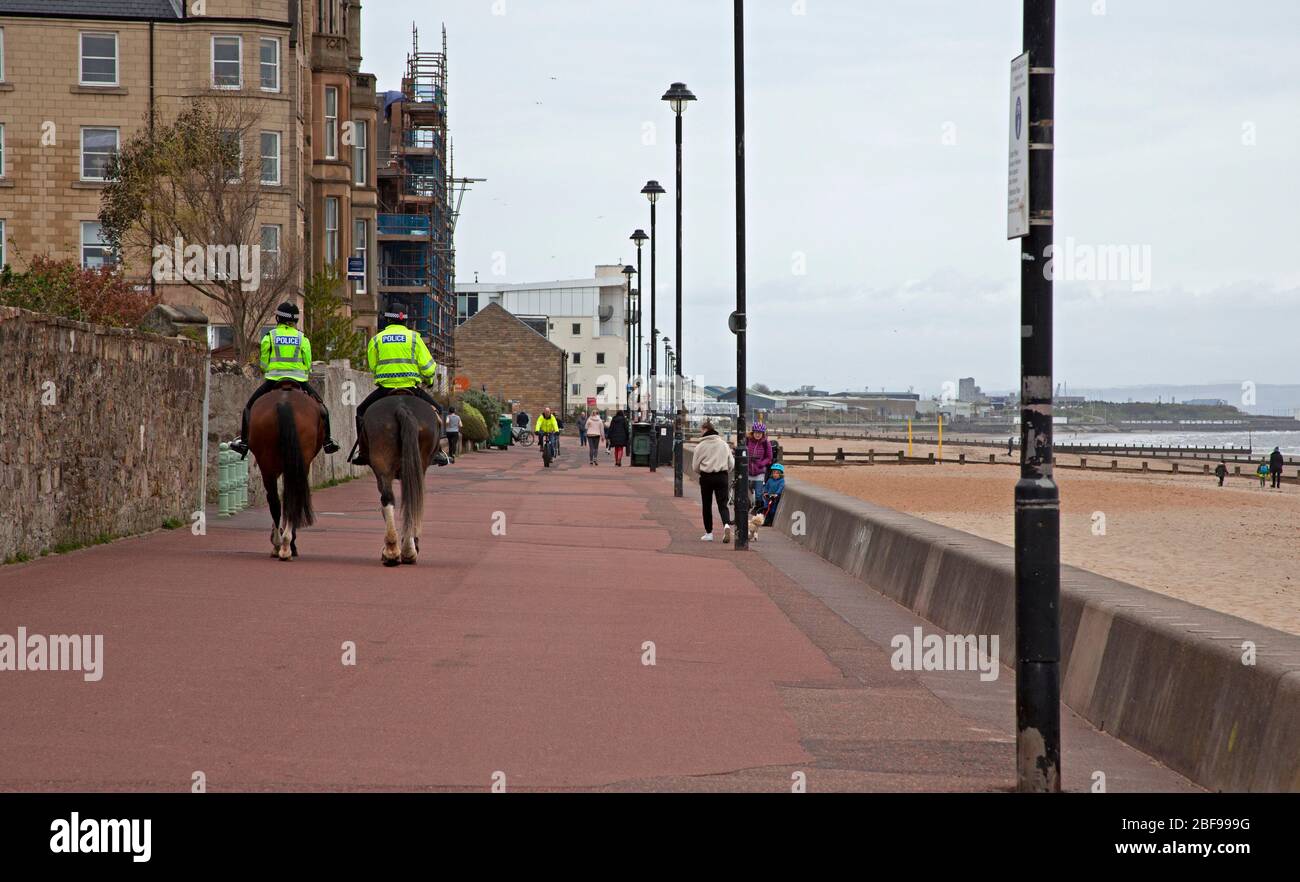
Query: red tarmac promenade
{"points": [[519, 653]]}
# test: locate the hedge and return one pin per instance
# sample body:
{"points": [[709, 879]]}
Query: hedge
{"points": [[472, 425]]}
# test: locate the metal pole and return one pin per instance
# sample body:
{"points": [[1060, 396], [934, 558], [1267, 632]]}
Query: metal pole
{"points": [[740, 482], [627, 329], [654, 327], [1038, 504], [679, 421], [640, 303]]}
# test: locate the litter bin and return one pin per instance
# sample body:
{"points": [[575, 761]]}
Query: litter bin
{"points": [[641, 444], [503, 436], [664, 433]]}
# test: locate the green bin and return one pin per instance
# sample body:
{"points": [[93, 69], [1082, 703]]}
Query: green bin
{"points": [[503, 436]]}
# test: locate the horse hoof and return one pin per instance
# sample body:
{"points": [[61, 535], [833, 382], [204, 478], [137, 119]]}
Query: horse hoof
{"points": [[409, 561], [390, 561]]}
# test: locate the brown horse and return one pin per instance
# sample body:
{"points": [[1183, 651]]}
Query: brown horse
{"points": [[286, 429], [402, 432]]}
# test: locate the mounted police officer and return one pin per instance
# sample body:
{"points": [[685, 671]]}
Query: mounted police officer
{"points": [[286, 356], [399, 359]]}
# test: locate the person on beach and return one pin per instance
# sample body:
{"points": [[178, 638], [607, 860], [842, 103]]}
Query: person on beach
{"points": [[1276, 465], [759, 449], [1262, 471], [1221, 471], [1011, 444], [594, 431], [712, 465], [618, 435]]}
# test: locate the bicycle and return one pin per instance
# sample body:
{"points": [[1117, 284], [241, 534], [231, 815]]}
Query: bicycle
{"points": [[550, 448], [523, 437]]}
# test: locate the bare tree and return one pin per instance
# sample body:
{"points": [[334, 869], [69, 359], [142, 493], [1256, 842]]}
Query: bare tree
{"points": [[189, 197]]}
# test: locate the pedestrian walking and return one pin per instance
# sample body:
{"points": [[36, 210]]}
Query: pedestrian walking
{"points": [[1221, 471], [1262, 471], [453, 433], [618, 435], [594, 431], [1011, 444], [1276, 465], [712, 465], [760, 452], [582, 427]]}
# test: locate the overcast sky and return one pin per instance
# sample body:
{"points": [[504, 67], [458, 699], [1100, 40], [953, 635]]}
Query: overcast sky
{"points": [[877, 165]]}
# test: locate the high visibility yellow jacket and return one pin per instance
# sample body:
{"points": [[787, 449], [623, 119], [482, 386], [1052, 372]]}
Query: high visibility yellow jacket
{"points": [[399, 359], [546, 424], [286, 354]]}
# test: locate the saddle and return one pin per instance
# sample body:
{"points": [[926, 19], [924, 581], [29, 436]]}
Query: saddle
{"points": [[290, 385]]}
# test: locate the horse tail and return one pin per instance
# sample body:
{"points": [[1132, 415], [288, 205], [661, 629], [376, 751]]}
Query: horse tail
{"points": [[297, 487], [412, 472]]}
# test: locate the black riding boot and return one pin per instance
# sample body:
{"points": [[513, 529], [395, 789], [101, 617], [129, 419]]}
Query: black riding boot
{"points": [[362, 455], [240, 444], [331, 446]]}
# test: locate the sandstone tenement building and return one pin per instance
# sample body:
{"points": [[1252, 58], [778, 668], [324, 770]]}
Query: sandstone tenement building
{"points": [[80, 77]]}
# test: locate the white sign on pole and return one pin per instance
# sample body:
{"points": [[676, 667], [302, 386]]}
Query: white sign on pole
{"points": [[1018, 157]]}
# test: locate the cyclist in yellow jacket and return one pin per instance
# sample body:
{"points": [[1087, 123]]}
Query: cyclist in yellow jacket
{"points": [[399, 359], [285, 356]]}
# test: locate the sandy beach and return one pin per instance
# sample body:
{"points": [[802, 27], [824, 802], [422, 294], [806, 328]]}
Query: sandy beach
{"points": [[1232, 549]]}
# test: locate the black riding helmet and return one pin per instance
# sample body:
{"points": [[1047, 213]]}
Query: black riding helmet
{"points": [[287, 312]]}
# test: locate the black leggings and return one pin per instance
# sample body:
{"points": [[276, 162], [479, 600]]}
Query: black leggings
{"points": [[714, 485], [270, 385]]}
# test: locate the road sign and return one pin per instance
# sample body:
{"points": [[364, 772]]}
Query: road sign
{"points": [[461, 383], [1018, 155], [591, 402], [356, 267]]}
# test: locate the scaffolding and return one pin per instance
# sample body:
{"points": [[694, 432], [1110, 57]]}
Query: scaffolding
{"points": [[417, 256]]}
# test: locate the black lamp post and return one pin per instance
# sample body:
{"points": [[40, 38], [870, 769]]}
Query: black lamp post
{"points": [[639, 237], [1038, 500], [679, 98], [738, 319], [652, 191], [628, 271]]}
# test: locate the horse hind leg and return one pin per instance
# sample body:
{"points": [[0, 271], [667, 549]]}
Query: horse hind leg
{"points": [[391, 555], [285, 551], [273, 502]]}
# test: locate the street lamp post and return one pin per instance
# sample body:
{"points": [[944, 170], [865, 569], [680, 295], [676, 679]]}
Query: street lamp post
{"points": [[628, 271], [738, 320], [1038, 501], [639, 237], [679, 98], [652, 191]]}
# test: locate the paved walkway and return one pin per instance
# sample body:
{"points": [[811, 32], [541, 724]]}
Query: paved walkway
{"points": [[519, 653]]}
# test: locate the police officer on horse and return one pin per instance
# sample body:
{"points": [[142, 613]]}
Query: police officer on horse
{"points": [[399, 360], [285, 357]]}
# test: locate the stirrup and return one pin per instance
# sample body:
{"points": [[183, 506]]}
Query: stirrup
{"points": [[331, 446], [240, 446]]}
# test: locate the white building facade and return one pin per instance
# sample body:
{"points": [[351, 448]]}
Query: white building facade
{"points": [[587, 318]]}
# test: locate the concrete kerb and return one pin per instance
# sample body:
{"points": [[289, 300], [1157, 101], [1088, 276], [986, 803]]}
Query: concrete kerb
{"points": [[1163, 675]]}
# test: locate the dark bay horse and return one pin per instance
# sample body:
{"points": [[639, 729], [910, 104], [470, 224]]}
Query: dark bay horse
{"points": [[286, 429], [402, 432]]}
